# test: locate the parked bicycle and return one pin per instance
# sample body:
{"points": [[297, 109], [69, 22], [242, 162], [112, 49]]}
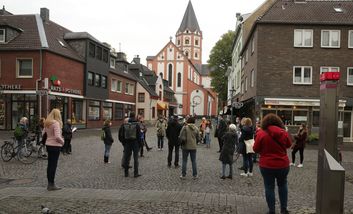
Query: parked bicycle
{"points": [[27, 152]]}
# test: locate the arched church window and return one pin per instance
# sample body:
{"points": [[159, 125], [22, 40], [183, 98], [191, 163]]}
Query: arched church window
{"points": [[196, 55], [179, 80], [178, 41], [170, 74], [186, 53], [187, 41]]}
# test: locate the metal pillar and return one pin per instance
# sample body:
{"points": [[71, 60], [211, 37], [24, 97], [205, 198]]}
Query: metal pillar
{"points": [[330, 175]]}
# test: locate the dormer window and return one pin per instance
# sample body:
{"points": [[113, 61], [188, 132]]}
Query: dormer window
{"points": [[2, 35], [112, 62]]}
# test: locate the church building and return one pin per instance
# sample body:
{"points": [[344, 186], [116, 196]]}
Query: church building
{"points": [[180, 63]]}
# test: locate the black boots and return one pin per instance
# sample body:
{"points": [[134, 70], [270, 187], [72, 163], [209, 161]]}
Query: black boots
{"points": [[106, 159], [52, 187]]}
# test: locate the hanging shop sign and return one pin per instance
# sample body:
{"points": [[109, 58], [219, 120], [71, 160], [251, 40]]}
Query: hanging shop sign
{"points": [[10, 87], [56, 86]]}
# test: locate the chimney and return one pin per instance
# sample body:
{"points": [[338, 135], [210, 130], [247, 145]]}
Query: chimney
{"points": [[137, 59], [237, 15], [44, 14]]}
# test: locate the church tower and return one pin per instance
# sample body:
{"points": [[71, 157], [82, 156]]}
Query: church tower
{"points": [[189, 36]]}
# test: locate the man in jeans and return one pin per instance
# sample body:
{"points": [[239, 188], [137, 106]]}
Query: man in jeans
{"points": [[129, 135], [172, 132]]}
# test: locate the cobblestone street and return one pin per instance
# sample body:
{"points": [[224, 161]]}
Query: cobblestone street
{"points": [[90, 186]]}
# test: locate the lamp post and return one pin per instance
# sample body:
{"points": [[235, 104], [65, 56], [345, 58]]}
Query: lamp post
{"points": [[231, 101]]}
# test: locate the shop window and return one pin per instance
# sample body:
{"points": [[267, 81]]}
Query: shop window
{"points": [[128, 109], [300, 117], [97, 80], [127, 88], [118, 111], [2, 114], [93, 110], [141, 97], [99, 53], [105, 55], [90, 78], [2, 35], [78, 112], [286, 116], [92, 50], [104, 81], [316, 118], [24, 68], [107, 111]]}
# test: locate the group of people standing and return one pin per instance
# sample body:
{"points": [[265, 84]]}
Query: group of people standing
{"points": [[269, 139]]}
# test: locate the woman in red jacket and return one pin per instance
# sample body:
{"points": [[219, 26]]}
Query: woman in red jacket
{"points": [[272, 142]]}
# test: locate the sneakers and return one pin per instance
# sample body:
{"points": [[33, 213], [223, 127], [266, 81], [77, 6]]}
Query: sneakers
{"points": [[300, 166], [244, 174], [182, 177], [250, 174], [292, 164]]}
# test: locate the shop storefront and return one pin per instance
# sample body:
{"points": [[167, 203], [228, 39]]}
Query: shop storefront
{"points": [[15, 104], [294, 112]]}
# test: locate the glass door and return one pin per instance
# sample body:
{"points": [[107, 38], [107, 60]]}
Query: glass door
{"points": [[347, 125]]}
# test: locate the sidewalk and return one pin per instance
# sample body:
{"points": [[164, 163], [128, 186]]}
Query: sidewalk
{"points": [[71, 200]]}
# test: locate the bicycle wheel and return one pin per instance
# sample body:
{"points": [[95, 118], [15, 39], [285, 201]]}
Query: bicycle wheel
{"points": [[26, 156], [6, 151], [29, 148]]}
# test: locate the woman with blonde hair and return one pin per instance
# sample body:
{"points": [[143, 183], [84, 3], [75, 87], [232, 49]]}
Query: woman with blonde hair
{"points": [[53, 127]]}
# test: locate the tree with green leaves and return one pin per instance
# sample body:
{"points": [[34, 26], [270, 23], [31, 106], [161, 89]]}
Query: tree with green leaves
{"points": [[219, 61]]}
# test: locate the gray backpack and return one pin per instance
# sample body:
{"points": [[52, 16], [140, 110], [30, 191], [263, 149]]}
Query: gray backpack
{"points": [[130, 131]]}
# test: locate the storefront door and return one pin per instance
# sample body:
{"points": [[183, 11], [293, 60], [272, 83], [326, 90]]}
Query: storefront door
{"points": [[347, 124], [24, 106], [61, 104], [2, 114]]}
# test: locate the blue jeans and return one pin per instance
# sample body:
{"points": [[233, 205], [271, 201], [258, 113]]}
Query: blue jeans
{"points": [[269, 176], [185, 161], [248, 162], [107, 150], [208, 139], [224, 169], [160, 142]]}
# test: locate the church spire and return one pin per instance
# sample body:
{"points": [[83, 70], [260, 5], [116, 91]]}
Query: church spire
{"points": [[189, 20]]}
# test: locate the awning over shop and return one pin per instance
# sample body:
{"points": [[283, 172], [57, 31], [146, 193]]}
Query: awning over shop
{"points": [[162, 105]]}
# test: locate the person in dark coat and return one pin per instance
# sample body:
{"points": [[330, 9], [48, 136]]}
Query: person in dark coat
{"points": [[67, 134], [132, 146], [230, 140], [299, 145], [221, 130], [172, 132], [247, 133], [108, 139]]}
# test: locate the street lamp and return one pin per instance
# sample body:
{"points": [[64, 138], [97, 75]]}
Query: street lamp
{"points": [[231, 105]]}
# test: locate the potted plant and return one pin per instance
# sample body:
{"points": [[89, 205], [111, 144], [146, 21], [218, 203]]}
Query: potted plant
{"points": [[313, 138]]}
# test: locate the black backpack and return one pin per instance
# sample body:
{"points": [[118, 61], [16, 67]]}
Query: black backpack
{"points": [[130, 131]]}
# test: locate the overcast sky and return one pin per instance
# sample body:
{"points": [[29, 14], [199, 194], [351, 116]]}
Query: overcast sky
{"points": [[141, 27]]}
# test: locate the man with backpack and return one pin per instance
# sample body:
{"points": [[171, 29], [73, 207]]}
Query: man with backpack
{"points": [[129, 135]]}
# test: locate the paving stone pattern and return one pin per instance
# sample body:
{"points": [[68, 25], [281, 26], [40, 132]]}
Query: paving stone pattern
{"points": [[90, 186]]}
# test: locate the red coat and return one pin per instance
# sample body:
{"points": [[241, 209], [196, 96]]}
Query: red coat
{"points": [[272, 155]]}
